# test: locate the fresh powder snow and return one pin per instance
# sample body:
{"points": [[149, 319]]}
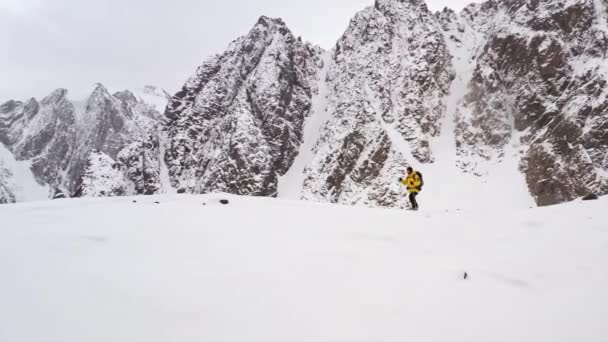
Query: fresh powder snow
{"points": [[22, 183], [291, 184], [186, 268]]}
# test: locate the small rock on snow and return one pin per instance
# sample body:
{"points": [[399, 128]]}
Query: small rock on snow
{"points": [[591, 197]]}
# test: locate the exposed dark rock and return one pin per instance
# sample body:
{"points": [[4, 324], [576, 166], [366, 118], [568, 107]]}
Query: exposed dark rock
{"points": [[389, 77], [237, 124], [537, 78], [591, 197], [58, 194], [7, 194]]}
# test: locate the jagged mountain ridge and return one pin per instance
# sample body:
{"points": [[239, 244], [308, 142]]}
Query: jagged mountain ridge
{"points": [[57, 135], [392, 76], [236, 125], [504, 84]]}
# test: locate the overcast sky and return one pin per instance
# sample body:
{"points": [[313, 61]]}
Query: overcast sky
{"points": [[47, 44]]}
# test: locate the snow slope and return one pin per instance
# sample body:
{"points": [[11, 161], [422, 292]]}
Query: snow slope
{"points": [[22, 183], [291, 184], [502, 183], [273, 270], [153, 96]]}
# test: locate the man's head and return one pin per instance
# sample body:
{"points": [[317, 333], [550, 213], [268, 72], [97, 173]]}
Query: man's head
{"points": [[410, 170]]}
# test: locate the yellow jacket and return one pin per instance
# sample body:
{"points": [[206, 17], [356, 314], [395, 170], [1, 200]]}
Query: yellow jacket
{"points": [[413, 182]]}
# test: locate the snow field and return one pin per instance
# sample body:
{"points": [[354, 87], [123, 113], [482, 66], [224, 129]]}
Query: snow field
{"points": [[272, 270]]}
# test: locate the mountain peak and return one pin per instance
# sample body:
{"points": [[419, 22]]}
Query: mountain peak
{"points": [[125, 95], [383, 5], [268, 21], [99, 87], [271, 25], [8, 106], [99, 91], [55, 96]]}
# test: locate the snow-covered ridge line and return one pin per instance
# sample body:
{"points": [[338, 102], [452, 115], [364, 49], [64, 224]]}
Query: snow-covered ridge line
{"points": [[55, 136], [504, 97]]}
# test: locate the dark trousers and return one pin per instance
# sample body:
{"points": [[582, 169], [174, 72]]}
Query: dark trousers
{"points": [[413, 201]]}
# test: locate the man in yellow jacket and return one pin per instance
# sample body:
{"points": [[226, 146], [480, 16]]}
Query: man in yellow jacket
{"points": [[414, 183]]}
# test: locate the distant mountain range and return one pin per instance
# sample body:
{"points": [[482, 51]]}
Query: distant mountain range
{"points": [[509, 95], [58, 136]]}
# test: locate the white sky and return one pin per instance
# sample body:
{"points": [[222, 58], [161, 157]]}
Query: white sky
{"points": [[47, 44]]}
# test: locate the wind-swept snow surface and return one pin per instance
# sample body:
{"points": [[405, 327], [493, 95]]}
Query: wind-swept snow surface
{"points": [[271, 270]]}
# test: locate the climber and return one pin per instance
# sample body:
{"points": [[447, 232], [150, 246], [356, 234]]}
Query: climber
{"points": [[414, 183]]}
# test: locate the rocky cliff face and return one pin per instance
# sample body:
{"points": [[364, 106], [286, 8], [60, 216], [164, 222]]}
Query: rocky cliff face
{"points": [[7, 194], [519, 81], [519, 85], [102, 177], [109, 124], [58, 135], [540, 83], [236, 125], [388, 83], [43, 132]]}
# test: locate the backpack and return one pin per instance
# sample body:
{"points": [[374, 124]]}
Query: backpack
{"points": [[421, 179]]}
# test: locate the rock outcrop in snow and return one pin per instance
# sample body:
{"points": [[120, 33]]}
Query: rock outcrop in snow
{"points": [[140, 162], [6, 192], [102, 177], [237, 124]]}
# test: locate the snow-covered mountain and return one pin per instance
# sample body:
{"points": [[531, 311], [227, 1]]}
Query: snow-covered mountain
{"points": [[504, 97], [56, 135], [539, 83], [237, 124], [388, 83]]}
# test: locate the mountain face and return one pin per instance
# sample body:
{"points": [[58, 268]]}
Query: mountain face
{"points": [[540, 82], [102, 177], [505, 94], [502, 81], [7, 194], [58, 135], [388, 82], [236, 125], [43, 132]]}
